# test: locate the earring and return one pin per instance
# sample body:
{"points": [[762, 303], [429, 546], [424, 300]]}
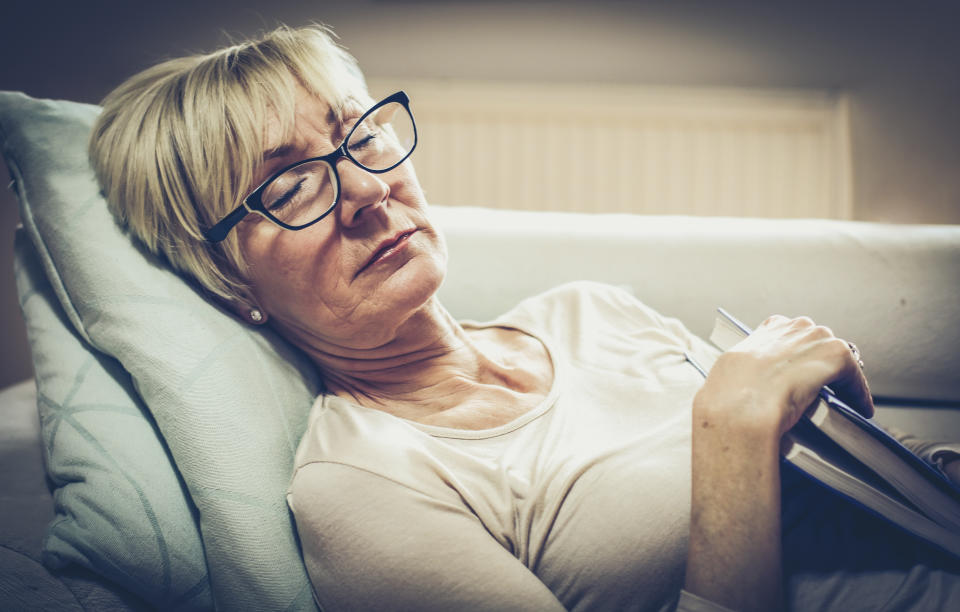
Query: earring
{"points": [[255, 315]]}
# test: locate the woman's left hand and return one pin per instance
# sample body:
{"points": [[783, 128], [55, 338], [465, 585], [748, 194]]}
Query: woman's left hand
{"points": [[755, 392], [765, 382]]}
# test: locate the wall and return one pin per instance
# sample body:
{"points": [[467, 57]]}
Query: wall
{"points": [[899, 62]]}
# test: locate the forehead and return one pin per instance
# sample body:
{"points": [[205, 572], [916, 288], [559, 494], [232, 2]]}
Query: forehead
{"points": [[313, 122]]}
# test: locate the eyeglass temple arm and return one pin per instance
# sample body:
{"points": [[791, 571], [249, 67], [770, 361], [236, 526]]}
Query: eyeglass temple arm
{"points": [[220, 230]]}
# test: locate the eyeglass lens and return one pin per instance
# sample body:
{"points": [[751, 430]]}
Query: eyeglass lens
{"points": [[307, 191]]}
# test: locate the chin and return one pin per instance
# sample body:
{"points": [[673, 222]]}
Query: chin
{"points": [[418, 280], [406, 291], [414, 284]]}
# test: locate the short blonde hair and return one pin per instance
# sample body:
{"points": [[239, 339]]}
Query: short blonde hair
{"points": [[176, 145]]}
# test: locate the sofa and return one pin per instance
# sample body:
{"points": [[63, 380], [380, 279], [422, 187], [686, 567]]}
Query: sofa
{"points": [[144, 467]]}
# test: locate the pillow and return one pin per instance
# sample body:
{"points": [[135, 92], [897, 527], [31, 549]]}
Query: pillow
{"points": [[121, 509], [230, 402]]}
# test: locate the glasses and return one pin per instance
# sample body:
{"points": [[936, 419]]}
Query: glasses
{"points": [[299, 195]]}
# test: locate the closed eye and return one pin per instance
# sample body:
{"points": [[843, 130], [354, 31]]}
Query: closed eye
{"points": [[287, 196], [363, 142]]}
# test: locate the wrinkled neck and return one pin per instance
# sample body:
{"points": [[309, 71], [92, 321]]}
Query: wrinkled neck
{"points": [[430, 359]]}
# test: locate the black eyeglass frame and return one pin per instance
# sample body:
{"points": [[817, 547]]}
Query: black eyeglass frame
{"points": [[254, 204]]}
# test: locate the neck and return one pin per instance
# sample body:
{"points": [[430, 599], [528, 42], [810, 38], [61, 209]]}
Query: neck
{"points": [[429, 361]]}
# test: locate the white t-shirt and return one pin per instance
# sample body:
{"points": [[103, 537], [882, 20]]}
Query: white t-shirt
{"points": [[582, 503]]}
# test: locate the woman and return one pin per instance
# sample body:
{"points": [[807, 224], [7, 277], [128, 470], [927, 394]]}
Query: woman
{"points": [[541, 461]]}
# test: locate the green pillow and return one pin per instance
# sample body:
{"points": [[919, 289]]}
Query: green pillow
{"points": [[121, 509], [229, 401]]}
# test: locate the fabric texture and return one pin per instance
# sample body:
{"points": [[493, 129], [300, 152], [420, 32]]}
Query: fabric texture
{"points": [[587, 494], [120, 506], [582, 503], [230, 402]]}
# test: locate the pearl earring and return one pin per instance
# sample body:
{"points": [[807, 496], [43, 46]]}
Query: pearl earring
{"points": [[255, 315]]}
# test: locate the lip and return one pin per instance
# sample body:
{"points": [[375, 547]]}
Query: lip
{"points": [[387, 248]]}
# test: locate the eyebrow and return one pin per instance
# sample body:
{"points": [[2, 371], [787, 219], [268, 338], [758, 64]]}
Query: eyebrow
{"points": [[284, 150], [280, 151]]}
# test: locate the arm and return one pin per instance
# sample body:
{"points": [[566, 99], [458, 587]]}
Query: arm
{"points": [[373, 544], [755, 393]]}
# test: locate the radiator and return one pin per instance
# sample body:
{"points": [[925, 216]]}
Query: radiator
{"points": [[650, 150]]}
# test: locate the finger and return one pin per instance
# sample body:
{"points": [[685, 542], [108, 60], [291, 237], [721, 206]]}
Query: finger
{"points": [[856, 394], [821, 331], [851, 385], [802, 322], [791, 325], [774, 320]]}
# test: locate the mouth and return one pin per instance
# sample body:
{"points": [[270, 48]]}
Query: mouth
{"points": [[387, 249]]}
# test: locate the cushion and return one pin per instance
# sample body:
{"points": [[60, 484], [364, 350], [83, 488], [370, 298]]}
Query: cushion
{"points": [[121, 509], [230, 402]]}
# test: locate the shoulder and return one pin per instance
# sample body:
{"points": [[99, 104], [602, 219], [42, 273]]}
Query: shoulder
{"points": [[594, 321], [348, 450], [340, 433], [584, 290], [346, 444], [582, 303]]}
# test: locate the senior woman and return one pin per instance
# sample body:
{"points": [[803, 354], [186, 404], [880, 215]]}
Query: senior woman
{"points": [[562, 456]]}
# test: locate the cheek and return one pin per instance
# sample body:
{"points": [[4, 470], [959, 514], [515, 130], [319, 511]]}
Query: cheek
{"points": [[283, 263], [405, 186]]}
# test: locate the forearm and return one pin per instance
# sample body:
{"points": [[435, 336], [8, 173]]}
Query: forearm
{"points": [[734, 549], [754, 393]]}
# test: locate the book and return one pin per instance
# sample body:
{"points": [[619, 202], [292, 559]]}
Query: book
{"points": [[837, 446]]}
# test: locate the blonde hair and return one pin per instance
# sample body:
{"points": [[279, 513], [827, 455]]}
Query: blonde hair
{"points": [[176, 146]]}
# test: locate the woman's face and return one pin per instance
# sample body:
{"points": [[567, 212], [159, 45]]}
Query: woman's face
{"points": [[351, 279]]}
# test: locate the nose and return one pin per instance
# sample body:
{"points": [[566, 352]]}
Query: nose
{"points": [[359, 191]]}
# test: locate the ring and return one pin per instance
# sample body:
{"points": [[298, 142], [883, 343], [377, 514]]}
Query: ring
{"points": [[856, 354]]}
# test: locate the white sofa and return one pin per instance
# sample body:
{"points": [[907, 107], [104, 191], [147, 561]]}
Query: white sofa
{"points": [[892, 289]]}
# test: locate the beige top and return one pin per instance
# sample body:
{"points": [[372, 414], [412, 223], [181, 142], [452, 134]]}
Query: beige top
{"points": [[582, 503], [583, 500]]}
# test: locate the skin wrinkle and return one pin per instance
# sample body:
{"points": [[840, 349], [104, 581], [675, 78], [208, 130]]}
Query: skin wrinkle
{"points": [[428, 396], [378, 332], [352, 358], [356, 357], [395, 375], [342, 313], [276, 156], [430, 399]]}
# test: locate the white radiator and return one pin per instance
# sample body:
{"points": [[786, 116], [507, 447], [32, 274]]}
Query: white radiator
{"points": [[652, 150]]}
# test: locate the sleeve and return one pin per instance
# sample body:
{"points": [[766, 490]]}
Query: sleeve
{"points": [[704, 352], [937, 454], [370, 543]]}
